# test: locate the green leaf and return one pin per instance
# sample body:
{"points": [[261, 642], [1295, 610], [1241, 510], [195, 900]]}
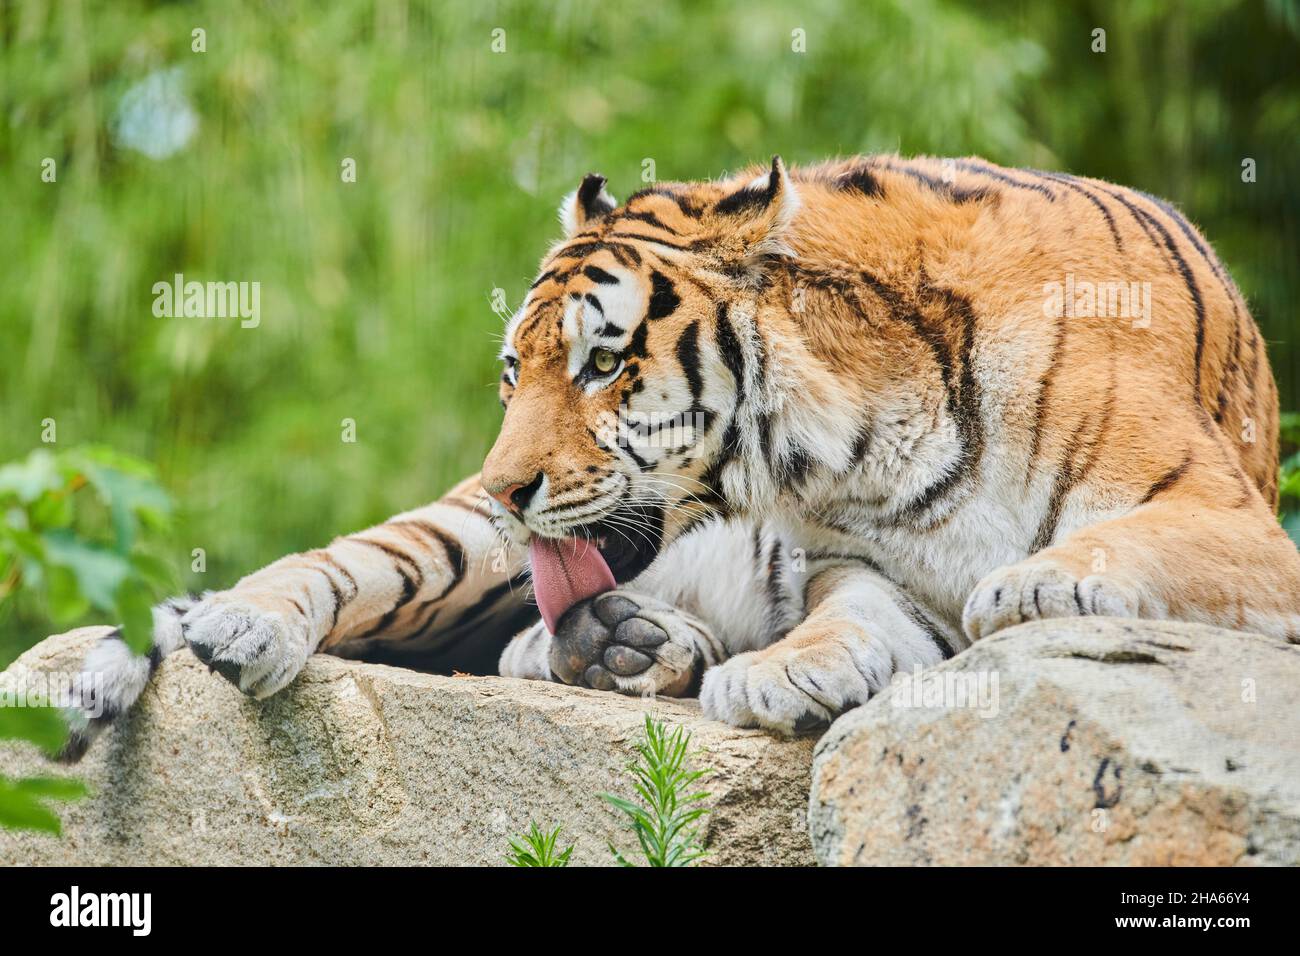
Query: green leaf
{"points": [[133, 606], [154, 571], [99, 571], [128, 489], [663, 820], [29, 479], [67, 602], [21, 806], [43, 726], [23, 811], [536, 848], [53, 788]]}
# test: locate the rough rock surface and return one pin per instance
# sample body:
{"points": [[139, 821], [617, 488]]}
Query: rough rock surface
{"points": [[1114, 742], [366, 764]]}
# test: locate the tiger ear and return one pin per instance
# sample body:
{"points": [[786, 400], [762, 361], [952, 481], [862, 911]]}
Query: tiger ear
{"points": [[759, 215], [585, 204]]}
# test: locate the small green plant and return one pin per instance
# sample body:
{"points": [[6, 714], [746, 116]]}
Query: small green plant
{"points": [[664, 820], [536, 848]]}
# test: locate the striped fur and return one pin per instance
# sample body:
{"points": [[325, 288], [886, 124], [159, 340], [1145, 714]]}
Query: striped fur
{"points": [[847, 433]]}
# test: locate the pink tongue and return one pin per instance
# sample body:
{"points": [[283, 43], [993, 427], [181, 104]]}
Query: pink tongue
{"points": [[565, 572]]}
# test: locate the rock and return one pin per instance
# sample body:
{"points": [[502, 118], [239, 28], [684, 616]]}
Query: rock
{"points": [[366, 764], [1113, 742]]}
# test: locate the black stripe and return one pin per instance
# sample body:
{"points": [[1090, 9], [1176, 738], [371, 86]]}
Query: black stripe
{"points": [[347, 575], [663, 297], [600, 276], [1189, 231], [1168, 479], [860, 180], [548, 274], [636, 346], [744, 200], [923, 621], [576, 250], [733, 356], [957, 194], [688, 354], [795, 464], [595, 303], [1230, 369], [490, 599], [683, 203], [609, 330], [642, 237], [1040, 399], [1071, 471], [1225, 283], [904, 312], [775, 588], [410, 582], [970, 430], [1188, 278], [649, 218], [336, 594], [627, 256], [861, 443], [1071, 182], [971, 166]]}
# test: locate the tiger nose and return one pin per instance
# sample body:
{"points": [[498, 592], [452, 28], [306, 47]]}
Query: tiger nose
{"points": [[517, 496]]}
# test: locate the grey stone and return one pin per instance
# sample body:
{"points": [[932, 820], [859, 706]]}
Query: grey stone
{"points": [[366, 764], [1114, 742]]}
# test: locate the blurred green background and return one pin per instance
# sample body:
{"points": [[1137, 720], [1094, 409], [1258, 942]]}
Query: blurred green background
{"points": [[376, 296]]}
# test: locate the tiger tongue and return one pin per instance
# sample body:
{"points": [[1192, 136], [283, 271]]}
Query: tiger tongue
{"points": [[566, 571]]}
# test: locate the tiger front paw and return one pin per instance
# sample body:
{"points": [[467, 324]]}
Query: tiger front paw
{"points": [[258, 649], [1042, 588], [628, 642], [796, 686]]}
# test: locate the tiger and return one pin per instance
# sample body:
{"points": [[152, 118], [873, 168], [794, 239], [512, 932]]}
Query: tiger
{"points": [[772, 439]]}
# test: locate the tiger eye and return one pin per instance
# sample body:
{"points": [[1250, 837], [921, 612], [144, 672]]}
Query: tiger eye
{"points": [[604, 361]]}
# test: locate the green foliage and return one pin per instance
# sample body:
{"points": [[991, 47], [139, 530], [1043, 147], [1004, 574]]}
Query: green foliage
{"points": [[22, 806], [78, 530], [22, 803], [536, 848], [1289, 477], [665, 814]]}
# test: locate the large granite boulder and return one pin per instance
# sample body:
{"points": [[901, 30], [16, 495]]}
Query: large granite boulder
{"points": [[1084, 741], [366, 764]]}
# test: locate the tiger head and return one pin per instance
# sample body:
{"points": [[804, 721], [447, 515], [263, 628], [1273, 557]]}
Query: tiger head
{"points": [[628, 358]]}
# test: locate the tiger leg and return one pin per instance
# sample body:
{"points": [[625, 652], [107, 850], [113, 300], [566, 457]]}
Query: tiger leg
{"points": [[1171, 558], [424, 580], [417, 576], [623, 640], [859, 629]]}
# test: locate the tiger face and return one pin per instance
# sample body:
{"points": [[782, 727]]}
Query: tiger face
{"points": [[620, 377]]}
